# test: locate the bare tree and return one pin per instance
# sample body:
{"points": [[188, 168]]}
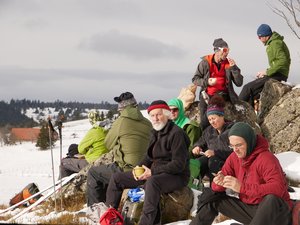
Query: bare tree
{"points": [[290, 12]]}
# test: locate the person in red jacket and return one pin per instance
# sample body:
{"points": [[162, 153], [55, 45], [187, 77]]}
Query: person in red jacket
{"points": [[256, 187], [215, 75]]}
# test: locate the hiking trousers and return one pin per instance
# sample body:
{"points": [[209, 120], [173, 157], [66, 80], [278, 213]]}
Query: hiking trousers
{"points": [[69, 166], [272, 210], [97, 182], [252, 89], [154, 187]]}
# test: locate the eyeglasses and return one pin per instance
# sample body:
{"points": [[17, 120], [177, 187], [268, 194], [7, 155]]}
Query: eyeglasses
{"points": [[238, 146], [224, 50], [174, 110]]}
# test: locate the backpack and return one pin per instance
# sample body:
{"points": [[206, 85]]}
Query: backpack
{"points": [[26, 192], [111, 217]]}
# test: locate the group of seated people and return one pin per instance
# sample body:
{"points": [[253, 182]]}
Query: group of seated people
{"points": [[231, 155], [164, 145]]}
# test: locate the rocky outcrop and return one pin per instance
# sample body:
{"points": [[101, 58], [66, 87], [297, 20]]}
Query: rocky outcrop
{"points": [[278, 117], [273, 91], [281, 123], [241, 111]]}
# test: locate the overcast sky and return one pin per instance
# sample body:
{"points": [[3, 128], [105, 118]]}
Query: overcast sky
{"points": [[93, 50]]}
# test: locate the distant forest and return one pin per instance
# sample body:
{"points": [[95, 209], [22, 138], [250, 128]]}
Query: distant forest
{"points": [[13, 113]]}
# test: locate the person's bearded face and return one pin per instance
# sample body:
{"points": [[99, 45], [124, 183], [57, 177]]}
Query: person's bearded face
{"points": [[158, 119]]}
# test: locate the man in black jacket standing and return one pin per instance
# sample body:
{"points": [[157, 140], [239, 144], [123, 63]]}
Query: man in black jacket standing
{"points": [[166, 165]]}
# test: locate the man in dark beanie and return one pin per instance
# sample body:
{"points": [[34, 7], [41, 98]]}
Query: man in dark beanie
{"points": [[127, 139], [254, 174], [215, 75], [279, 63], [166, 165]]}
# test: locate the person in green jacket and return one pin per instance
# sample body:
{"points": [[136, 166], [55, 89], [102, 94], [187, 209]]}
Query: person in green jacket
{"points": [[191, 127], [279, 63], [128, 140], [90, 148]]}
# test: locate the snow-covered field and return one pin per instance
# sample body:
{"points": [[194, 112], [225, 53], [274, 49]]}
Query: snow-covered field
{"points": [[23, 163]]}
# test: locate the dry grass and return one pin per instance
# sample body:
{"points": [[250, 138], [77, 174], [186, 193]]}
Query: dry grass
{"points": [[65, 219], [293, 183], [70, 204]]}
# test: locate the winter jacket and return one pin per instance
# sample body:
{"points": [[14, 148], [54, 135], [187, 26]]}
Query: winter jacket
{"points": [[211, 139], [193, 130], [128, 137], [260, 174], [92, 145], [233, 74], [168, 151], [278, 55]]}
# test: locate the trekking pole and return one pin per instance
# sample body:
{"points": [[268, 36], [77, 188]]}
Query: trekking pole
{"points": [[51, 130], [60, 157]]}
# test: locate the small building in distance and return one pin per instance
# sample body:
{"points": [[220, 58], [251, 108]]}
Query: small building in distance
{"points": [[25, 134]]}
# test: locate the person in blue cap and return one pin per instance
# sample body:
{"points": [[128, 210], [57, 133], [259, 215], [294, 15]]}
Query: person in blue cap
{"points": [[279, 63]]}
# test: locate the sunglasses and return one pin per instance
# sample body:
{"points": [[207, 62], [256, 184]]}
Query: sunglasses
{"points": [[224, 50], [174, 110]]}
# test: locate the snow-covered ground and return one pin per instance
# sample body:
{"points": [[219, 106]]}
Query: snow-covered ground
{"points": [[23, 163]]}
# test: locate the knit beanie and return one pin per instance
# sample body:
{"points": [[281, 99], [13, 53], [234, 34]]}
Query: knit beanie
{"points": [[215, 110], [220, 43], [181, 119], [264, 30], [93, 116], [158, 104], [125, 99], [72, 150], [246, 132]]}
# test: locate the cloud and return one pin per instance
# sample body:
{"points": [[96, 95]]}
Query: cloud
{"points": [[136, 47], [87, 85]]}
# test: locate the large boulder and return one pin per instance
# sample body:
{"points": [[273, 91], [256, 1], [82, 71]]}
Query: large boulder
{"points": [[241, 111], [272, 92], [174, 206], [281, 125]]}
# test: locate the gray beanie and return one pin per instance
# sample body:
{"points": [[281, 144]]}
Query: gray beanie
{"points": [[246, 132], [220, 43]]}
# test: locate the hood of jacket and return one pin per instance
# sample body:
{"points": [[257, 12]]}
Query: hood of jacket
{"points": [[181, 120], [261, 146], [275, 36]]}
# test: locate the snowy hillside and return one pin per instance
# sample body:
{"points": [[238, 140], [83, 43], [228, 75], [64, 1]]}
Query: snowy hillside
{"points": [[23, 163], [38, 114]]}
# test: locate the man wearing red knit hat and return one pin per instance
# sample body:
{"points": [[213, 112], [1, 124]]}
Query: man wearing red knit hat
{"points": [[166, 165]]}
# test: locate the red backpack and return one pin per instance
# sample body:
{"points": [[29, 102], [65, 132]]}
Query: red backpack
{"points": [[111, 217]]}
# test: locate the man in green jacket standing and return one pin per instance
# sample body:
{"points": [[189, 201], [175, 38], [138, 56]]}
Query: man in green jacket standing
{"points": [[89, 149], [279, 62], [128, 139]]}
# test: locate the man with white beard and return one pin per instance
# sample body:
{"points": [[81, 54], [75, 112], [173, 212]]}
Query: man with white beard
{"points": [[166, 165]]}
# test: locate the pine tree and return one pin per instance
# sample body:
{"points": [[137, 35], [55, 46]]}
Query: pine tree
{"points": [[43, 141]]}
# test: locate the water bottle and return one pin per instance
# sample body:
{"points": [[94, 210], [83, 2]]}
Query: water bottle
{"points": [[205, 96]]}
